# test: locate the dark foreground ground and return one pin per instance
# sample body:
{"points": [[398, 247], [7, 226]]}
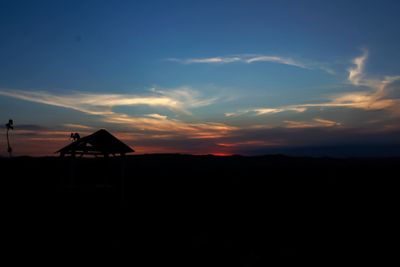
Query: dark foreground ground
{"points": [[201, 210]]}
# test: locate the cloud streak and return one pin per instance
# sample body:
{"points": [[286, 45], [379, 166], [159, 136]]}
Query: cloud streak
{"points": [[159, 123], [179, 100], [315, 123], [243, 59], [377, 97], [77, 126]]}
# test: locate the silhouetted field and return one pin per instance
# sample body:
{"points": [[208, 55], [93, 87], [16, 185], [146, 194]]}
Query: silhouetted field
{"points": [[201, 210]]}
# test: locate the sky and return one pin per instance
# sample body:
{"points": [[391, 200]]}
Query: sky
{"points": [[202, 77]]}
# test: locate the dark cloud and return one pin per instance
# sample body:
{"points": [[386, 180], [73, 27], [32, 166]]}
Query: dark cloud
{"points": [[30, 127]]}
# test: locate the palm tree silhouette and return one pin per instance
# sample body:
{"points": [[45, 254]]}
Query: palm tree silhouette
{"points": [[9, 126]]}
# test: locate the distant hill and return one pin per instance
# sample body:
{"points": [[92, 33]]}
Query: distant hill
{"points": [[201, 210]]}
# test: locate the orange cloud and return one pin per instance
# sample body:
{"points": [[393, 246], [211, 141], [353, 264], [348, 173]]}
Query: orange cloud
{"points": [[251, 143], [311, 124], [172, 126], [179, 100]]}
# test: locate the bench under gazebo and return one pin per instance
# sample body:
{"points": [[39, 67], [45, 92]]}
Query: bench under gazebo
{"points": [[100, 143]]}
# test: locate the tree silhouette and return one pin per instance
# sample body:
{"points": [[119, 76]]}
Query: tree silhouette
{"points": [[10, 126]]}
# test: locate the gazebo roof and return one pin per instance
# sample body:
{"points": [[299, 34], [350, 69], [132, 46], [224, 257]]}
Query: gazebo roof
{"points": [[98, 143]]}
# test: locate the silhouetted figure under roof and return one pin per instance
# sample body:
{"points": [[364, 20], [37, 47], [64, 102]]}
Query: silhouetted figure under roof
{"points": [[75, 136]]}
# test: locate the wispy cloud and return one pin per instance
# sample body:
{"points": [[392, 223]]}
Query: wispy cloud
{"points": [[377, 97], [211, 60], [77, 126], [180, 99], [244, 59], [357, 71], [177, 100], [174, 127], [185, 98], [276, 59], [263, 111], [315, 123], [256, 143], [266, 111]]}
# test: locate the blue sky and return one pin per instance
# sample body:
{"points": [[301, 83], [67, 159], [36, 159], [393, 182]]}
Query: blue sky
{"points": [[201, 76]]}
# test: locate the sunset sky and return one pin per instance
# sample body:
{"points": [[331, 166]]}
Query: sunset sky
{"points": [[201, 77]]}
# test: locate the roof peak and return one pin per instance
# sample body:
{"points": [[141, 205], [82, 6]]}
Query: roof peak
{"points": [[100, 142]]}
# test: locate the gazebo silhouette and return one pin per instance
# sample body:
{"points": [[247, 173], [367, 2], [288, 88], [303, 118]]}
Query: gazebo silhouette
{"points": [[100, 143]]}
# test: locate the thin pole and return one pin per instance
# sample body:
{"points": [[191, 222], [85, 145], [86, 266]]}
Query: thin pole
{"points": [[123, 164], [9, 149]]}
